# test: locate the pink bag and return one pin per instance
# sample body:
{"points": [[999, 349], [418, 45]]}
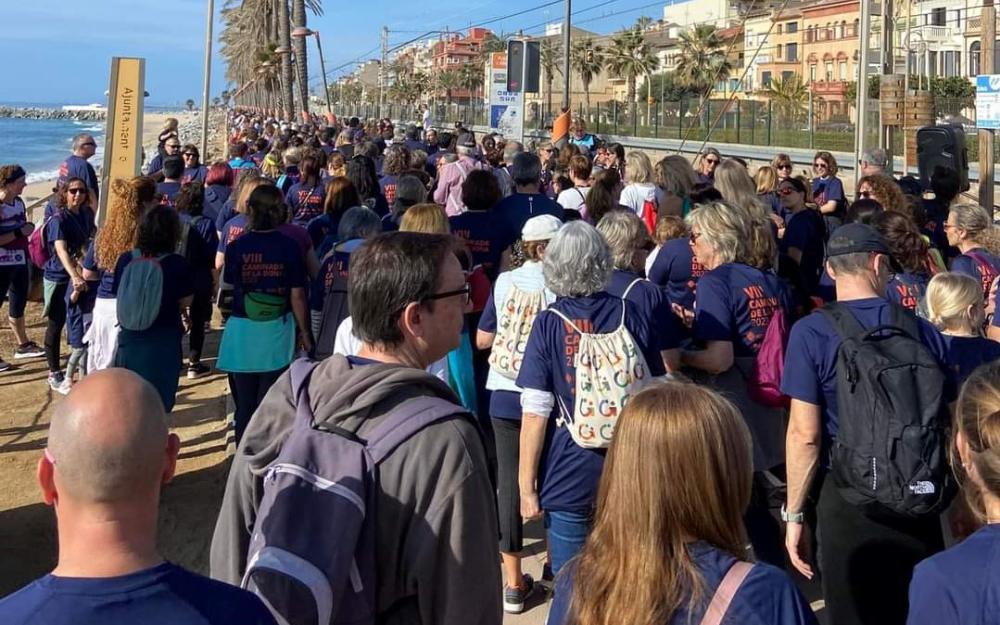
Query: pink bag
{"points": [[764, 384], [38, 251]]}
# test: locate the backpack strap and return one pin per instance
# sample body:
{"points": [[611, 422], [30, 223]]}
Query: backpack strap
{"points": [[405, 420], [905, 321], [629, 287], [301, 371], [842, 320], [573, 325], [724, 594]]}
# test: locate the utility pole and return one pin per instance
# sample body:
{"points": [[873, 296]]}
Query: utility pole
{"points": [[566, 43], [382, 70], [864, 41], [906, 79], [988, 31], [887, 134], [208, 79]]}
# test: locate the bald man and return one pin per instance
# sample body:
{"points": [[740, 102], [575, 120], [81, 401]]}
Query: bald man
{"points": [[102, 471]]}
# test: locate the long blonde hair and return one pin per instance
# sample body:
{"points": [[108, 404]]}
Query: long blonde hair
{"points": [[977, 417], [948, 298], [733, 181], [679, 469]]}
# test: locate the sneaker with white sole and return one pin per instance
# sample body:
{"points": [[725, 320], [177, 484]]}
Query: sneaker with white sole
{"points": [[4, 365], [514, 598], [30, 349], [197, 370], [59, 383]]}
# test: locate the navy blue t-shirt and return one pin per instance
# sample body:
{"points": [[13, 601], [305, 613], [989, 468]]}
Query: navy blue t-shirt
{"points": [[652, 304], [77, 167], [163, 595], [75, 230], [569, 473], [333, 265], [511, 213], [767, 595], [202, 243], [959, 586], [970, 266], [305, 201], [321, 227], [178, 283], [227, 212], [234, 229], [168, 193], [965, 353], [388, 185], [810, 373], [483, 238], [829, 189], [735, 303], [194, 174], [107, 279], [263, 262], [216, 196], [907, 289], [676, 269], [806, 231]]}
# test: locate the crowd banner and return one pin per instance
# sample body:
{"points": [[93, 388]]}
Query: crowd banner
{"points": [[123, 130]]}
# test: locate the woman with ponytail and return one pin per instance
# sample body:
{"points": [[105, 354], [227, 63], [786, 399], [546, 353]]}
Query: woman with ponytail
{"points": [[129, 200], [970, 228], [959, 585], [910, 259]]}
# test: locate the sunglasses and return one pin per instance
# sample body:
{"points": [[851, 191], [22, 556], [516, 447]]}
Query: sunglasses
{"points": [[785, 166], [712, 161], [76, 191], [464, 291], [90, 144], [819, 165], [864, 194], [187, 154]]}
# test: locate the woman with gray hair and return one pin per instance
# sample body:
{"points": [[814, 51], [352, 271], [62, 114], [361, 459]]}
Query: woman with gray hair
{"points": [[566, 373], [630, 244], [358, 224], [735, 306]]}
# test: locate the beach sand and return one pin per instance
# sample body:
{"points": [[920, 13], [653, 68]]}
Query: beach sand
{"points": [[151, 124]]}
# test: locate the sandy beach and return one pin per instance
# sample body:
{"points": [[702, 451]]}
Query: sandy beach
{"points": [[151, 124]]}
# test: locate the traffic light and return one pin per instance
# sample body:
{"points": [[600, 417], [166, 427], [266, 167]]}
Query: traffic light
{"points": [[523, 66]]}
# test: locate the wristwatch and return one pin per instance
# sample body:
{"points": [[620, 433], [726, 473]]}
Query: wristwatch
{"points": [[791, 517]]}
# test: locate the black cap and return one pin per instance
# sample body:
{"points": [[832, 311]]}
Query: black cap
{"points": [[856, 239]]}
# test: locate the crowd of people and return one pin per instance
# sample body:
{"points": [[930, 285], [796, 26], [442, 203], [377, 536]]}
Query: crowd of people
{"points": [[706, 380]]}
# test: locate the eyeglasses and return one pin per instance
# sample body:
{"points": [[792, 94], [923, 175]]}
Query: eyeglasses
{"points": [[694, 237], [464, 291], [785, 166], [76, 191], [819, 165], [948, 226]]}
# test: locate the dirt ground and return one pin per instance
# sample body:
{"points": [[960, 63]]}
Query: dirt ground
{"points": [[190, 503]]}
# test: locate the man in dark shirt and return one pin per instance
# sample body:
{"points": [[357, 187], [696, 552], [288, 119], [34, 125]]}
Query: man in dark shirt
{"points": [[76, 165], [172, 147], [103, 469], [173, 169]]}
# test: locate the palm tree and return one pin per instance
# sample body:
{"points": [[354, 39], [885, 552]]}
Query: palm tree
{"points": [[471, 77], [550, 57], [790, 96], [702, 60], [301, 56], [587, 60], [643, 22], [448, 81], [630, 57]]}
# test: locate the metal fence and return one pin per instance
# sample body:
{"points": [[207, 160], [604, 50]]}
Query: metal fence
{"points": [[746, 122]]}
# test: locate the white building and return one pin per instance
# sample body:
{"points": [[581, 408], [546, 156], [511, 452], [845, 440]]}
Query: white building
{"points": [[687, 13]]}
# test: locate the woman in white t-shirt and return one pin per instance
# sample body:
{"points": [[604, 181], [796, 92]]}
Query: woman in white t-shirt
{"points": [[639, 186], [575, 198]]}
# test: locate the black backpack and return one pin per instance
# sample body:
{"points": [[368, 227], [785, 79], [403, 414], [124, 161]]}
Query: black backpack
{"points": [[336, 308], [890, 454]]}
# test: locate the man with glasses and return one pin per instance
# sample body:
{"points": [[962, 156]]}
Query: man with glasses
{"points": [[76, 165], [408, 299], [102, 472], [171, 148], [707, 163]]}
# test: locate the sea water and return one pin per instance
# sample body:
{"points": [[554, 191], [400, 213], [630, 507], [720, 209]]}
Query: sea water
{"points": [[41, 145]]}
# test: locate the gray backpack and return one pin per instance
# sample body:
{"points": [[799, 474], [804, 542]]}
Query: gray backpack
{"points": [[312, 553]]}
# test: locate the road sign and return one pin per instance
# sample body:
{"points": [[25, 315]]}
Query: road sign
{"points": [[506, 108], [988, 101]]}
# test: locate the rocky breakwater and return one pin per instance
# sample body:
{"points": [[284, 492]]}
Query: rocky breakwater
{"points": [[14, 112]]}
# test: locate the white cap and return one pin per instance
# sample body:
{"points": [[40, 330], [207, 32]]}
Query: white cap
{"points": [[540, 228]]}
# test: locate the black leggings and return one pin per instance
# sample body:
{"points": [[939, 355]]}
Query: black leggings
{"points": [[507, 433], [248, 391], [201, 313], [53, 332]]}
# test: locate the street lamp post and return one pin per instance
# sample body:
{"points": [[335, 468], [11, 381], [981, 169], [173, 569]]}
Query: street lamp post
{"points": [[302, 31], [208, 78]]}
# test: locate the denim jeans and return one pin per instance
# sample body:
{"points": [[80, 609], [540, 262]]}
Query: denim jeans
{"points": [[567, 532]]}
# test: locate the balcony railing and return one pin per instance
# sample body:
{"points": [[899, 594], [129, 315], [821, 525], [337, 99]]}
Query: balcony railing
{"points": [[829, 87], [974, 24]]}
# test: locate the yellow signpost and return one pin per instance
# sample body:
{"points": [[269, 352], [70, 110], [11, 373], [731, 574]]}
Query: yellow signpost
{"points": [[123, 138]]}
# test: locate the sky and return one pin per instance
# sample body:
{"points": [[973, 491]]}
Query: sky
{"points": [[61, 50]]}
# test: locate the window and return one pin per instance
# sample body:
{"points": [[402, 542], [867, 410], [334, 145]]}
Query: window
{"points": [[932, 63], [786, 76], [779, 29], [812, 73], [938, 17], [842, 70], [765, 79], [779, 56], [948, 62], [792, 52], [792, 27], [829, 71]]}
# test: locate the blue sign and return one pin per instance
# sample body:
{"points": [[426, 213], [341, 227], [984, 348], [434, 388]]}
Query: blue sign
{"points": [[988, 101]]}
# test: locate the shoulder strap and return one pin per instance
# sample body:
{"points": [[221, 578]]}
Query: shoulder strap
{"points": [[842, 320], [405, 420], [724, 594], [905, 321], [583, 198], [301, 371], [629, 287], [571, 324]]}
